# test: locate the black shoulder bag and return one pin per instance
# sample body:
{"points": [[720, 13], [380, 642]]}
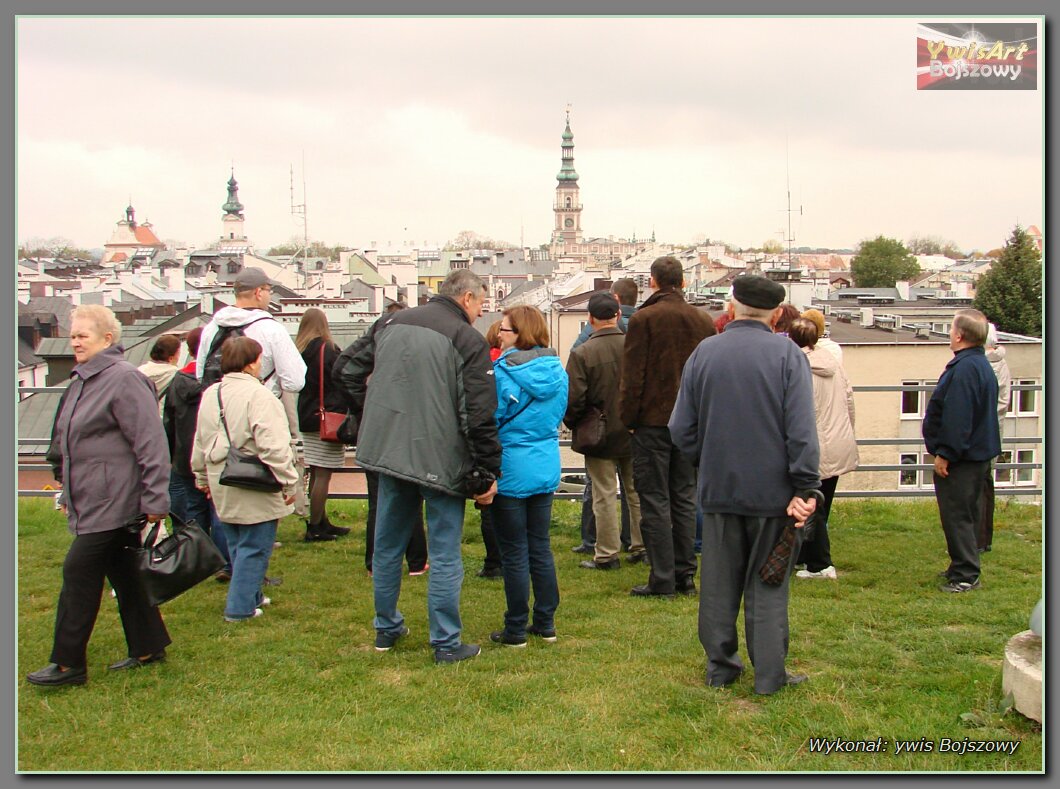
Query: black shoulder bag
{"points": [[244, 469]]}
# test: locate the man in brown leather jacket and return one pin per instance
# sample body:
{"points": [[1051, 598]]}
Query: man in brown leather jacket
{"points": [[660, 337]]}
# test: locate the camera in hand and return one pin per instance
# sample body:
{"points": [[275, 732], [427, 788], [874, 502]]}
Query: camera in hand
{"points": [[479, 481]]}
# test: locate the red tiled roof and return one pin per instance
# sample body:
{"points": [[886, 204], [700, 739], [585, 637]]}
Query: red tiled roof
{"points": [[118, 256], [146, 236]]}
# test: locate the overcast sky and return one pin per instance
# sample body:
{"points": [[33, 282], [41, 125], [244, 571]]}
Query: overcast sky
{"points": [[412, 130]]}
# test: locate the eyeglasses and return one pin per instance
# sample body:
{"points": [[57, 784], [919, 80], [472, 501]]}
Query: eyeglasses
{"points": [[513, 331]]}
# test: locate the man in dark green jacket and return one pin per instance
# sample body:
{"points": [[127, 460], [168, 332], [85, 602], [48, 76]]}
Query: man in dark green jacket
{"points": [[594, 371], [428, 427]]}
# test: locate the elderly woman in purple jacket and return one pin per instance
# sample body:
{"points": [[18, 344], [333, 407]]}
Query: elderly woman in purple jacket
{"points": [[115, 462]]}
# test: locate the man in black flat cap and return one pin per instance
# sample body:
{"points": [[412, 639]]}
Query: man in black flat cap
{"points": [[744, 414]]}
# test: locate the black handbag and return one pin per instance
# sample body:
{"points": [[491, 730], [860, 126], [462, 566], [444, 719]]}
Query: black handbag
{"points": [[243, 469], [171, 567], [590, 433]]}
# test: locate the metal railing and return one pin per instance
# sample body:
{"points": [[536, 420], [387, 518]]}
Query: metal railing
{"points": [[898, 492]]}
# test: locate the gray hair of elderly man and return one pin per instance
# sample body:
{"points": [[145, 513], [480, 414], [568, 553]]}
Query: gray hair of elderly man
{"points": [[459, 282]]}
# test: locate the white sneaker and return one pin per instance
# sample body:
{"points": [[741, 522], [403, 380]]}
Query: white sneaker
{"points": [[827, 572], [265, 601]]}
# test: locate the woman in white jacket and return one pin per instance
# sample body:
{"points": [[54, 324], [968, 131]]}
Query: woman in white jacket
{"points": [[833, 405], [255, 422]]}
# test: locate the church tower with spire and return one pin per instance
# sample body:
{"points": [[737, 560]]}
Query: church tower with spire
{"points": [[233, 234], [568, 207]]}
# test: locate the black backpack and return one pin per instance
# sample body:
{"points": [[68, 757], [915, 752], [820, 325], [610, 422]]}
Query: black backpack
{"points": [[211, 369]]}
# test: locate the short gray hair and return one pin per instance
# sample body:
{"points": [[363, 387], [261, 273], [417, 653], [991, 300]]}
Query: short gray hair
{"points": [[459, 282], [101, 317], [741, 310], [971, 325]]}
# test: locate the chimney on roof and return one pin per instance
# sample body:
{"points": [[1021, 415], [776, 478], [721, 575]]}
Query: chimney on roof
{"points": [[902, 286]]}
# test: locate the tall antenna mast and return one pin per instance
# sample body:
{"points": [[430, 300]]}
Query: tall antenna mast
{"points": [[787, 175], [298, 211]]}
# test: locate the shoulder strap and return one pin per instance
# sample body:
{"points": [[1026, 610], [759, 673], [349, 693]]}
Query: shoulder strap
{"points": [[321, 376], [221, 408]]}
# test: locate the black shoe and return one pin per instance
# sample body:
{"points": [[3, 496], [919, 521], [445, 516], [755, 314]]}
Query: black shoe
{"points": [[647, 591], [490, 572], [223, 576], [331, 528], [638, 558], [384, 640], [716, 683], [456, 654], [544, 633], [959, 586], [50, 676], [583, 549], [317, 533], [502, 637], [612, 564], [686, 585], [135, 662], [625, 547]]}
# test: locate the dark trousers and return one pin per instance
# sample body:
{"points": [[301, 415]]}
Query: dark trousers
{"points": [[589, 518], [984, 535], [489, 539], [666, 483], [416, 553], [91, 558], [817, 553], [958, 497], [522, 531], [734, 549]]}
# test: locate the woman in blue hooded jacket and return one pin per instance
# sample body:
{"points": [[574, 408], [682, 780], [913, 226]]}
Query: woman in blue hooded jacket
{"points": [[531, 401]]}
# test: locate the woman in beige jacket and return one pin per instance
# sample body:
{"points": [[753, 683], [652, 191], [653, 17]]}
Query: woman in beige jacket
{"points": [[255, 422], [833, 405]]}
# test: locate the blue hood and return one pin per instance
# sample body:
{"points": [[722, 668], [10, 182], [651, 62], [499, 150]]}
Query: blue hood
{"points": [[537, 371]]}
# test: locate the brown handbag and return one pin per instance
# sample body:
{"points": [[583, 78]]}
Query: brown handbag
{"points": [[590, 433], [330, 421]]}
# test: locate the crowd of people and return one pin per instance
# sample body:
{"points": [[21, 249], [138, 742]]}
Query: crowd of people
{"points": [[724, 434]]}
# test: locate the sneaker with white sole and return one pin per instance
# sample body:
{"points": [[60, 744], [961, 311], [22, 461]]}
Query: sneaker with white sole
{"points": [[265, 601], [827, 572], [257, 612], [385, 640]]}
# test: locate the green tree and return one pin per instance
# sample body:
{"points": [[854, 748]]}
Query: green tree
{"points": [[772, 247], [881, 262], [1010, 293]]}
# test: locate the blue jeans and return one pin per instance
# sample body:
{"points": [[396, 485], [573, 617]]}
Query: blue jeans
{"points": [[250, 546], [526, 559], [200, 509], [178, 502], [397, 506]]}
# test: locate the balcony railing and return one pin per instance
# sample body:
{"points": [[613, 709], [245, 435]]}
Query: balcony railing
{"points": [[897, 492]]}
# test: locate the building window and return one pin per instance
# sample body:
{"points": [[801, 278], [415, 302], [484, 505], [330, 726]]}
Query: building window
{"points": [[912, 477], [1008, 477], [1024, 476], [910, 401], [1022, 402]]}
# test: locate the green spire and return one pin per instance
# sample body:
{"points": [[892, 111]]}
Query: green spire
{"points": [[233, 206], [567, 173]]}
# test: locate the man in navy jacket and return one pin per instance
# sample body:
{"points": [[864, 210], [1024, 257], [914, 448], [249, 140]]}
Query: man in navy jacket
{"points": [[961, 431], [744, 414]]}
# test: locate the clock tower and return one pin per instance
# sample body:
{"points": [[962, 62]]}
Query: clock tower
{"points": [[567, 208]]}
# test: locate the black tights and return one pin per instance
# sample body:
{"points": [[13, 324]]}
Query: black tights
{"points": [[319, 482]]}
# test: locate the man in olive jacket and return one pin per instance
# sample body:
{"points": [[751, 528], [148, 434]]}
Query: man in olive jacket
{"points": [[428, 428], [594, 370], [660, 336]]}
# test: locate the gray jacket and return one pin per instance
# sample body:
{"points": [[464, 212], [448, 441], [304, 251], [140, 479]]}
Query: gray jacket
{"points": [[115, 453]]}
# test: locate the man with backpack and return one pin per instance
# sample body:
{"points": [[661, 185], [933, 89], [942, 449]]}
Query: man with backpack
{"points": [[282, 368]]}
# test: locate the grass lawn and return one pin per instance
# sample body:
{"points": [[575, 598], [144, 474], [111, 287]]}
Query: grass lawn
{"points": [[621, 690]]}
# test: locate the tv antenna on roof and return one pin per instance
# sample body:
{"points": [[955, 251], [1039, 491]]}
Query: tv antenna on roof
{"points": [[787, 174], [298, 211]]}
